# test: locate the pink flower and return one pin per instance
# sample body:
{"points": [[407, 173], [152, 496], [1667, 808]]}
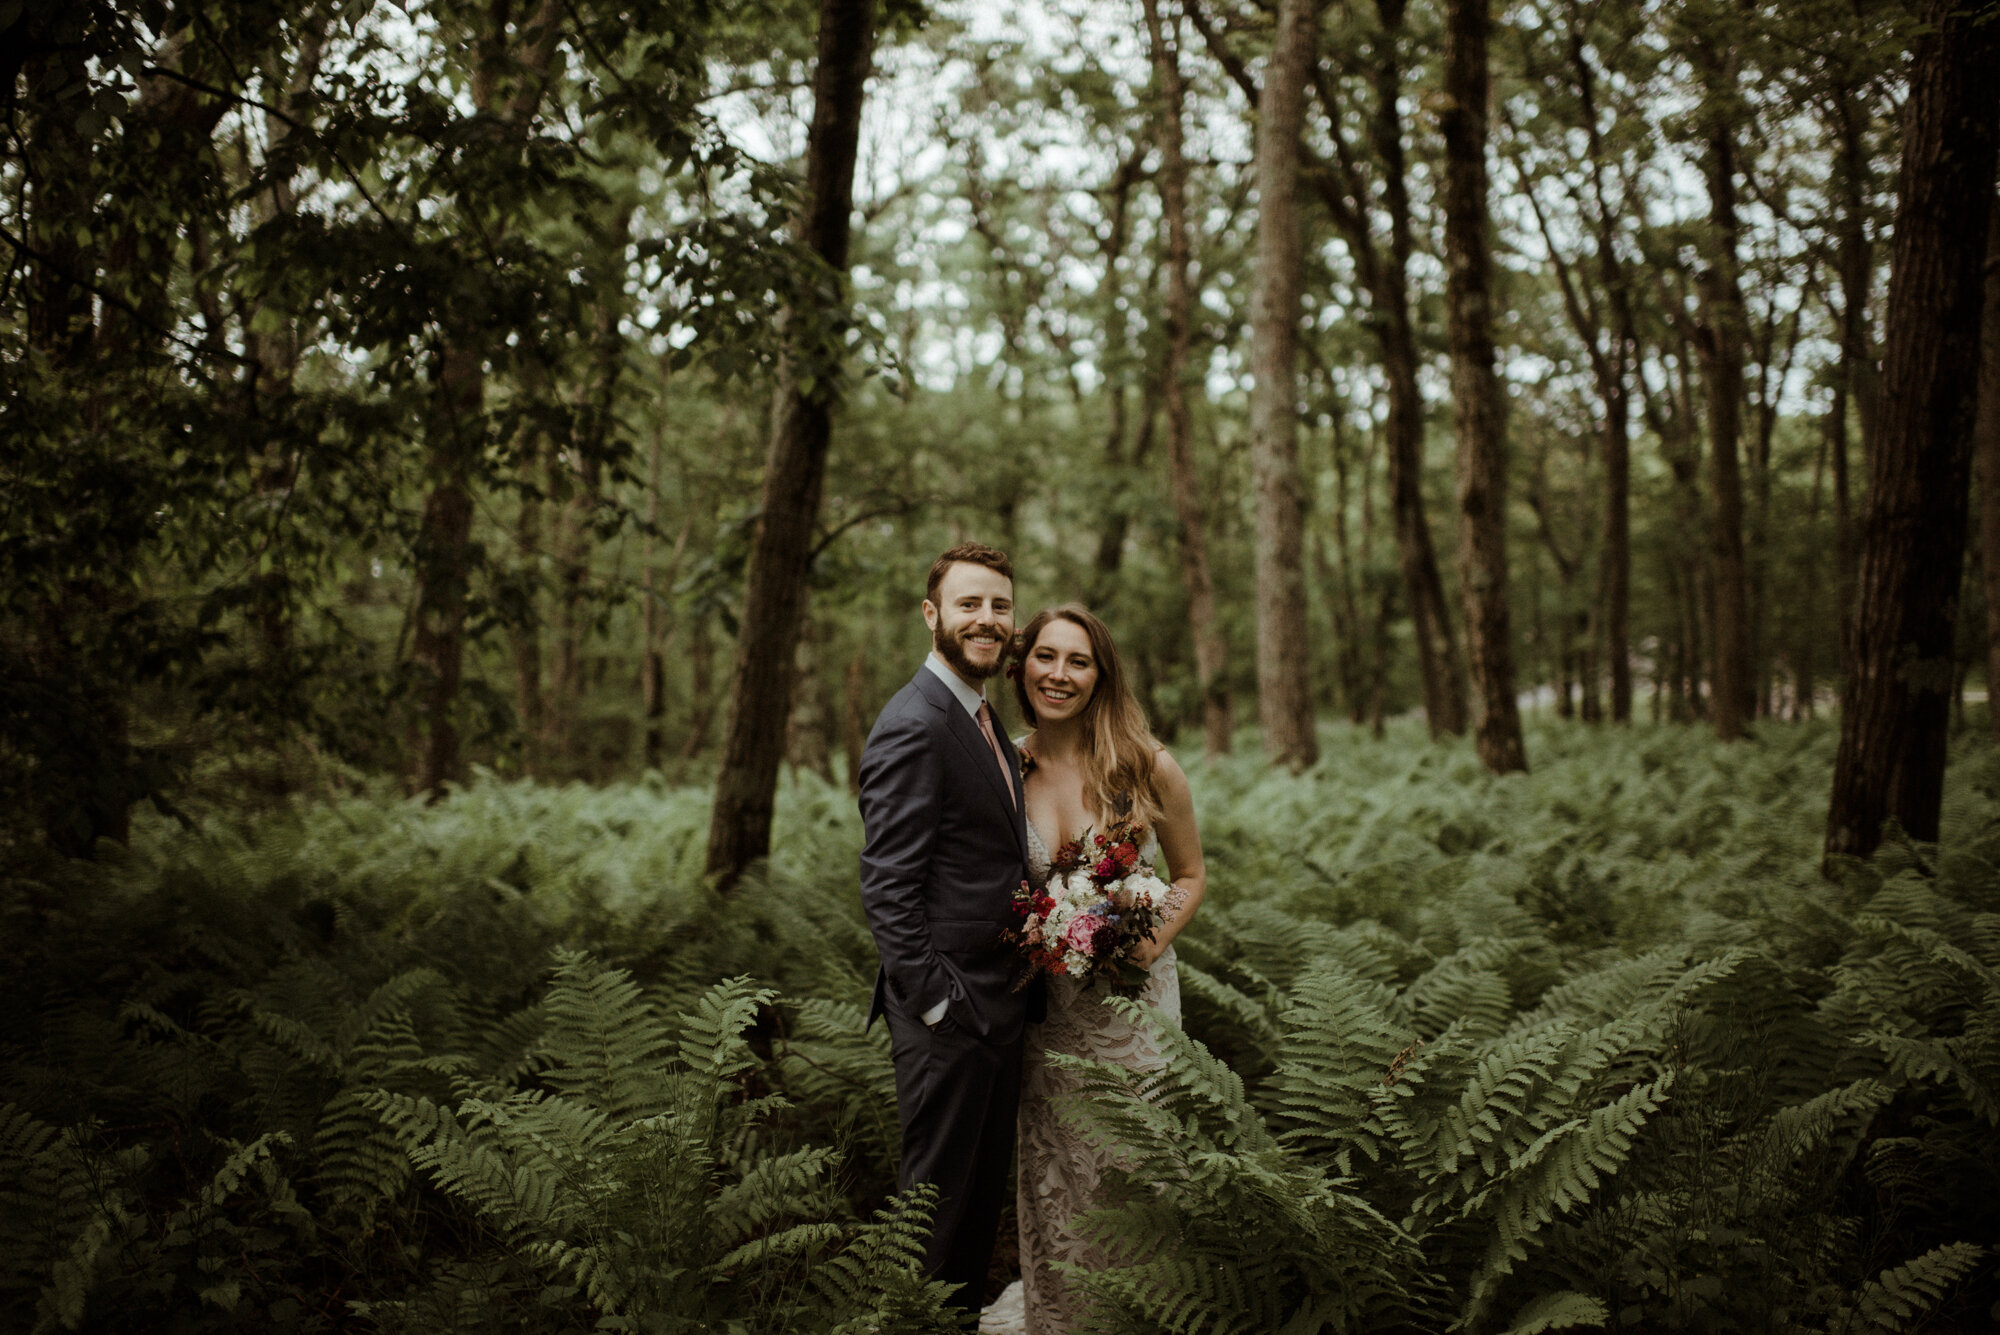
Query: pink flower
{"points": [[1081, 933]]}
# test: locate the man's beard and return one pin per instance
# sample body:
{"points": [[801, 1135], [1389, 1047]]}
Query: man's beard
{"points": [[952, 650]]}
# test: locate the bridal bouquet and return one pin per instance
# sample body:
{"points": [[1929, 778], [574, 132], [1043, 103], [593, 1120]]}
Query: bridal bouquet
{"points": [[1100, 901]]}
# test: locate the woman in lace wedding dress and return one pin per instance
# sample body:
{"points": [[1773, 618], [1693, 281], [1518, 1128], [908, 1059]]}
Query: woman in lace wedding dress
{"points": [[1089, 760]]}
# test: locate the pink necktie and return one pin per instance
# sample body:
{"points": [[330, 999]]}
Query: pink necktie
{"points": [[986, 727]]}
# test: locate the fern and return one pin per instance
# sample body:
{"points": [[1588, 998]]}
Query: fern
{"points": [[1905, 1293], [1558, 1311]]}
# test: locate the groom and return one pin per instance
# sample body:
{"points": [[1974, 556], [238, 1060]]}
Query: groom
{"points": [[946, 846]]}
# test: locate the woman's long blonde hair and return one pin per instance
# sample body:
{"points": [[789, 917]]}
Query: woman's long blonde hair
{"points": [[1119, 778]]}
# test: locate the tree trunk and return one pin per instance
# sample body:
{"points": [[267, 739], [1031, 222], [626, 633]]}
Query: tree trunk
{"points": [[701, 688], [1805, 653], [1893, 723], [572, 615], [1116, 365], [1987, 446], [854, 716], [809, 730], [1284, 694], [530, 702], [444, 561], [1183, 477], [795, 471], [1476, 403], [1854, 384], [453, 434], [1439, 662], [1343, 597], [1611, 612], [1721, 345], [653, 628]]}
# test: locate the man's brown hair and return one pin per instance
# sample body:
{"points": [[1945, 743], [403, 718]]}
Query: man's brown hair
{"points": [[972, 553]]}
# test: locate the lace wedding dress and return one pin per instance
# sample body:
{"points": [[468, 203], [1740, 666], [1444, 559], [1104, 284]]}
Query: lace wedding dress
{"points": [[1059, 1168]]}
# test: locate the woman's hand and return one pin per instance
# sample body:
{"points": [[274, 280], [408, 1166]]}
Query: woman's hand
{"points": [[1145, 951]]}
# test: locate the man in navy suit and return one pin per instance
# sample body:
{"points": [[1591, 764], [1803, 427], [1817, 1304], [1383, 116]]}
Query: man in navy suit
{"points": [[946, 846]]}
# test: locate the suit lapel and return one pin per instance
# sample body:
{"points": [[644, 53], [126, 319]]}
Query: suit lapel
{"points": [[965, 731]]}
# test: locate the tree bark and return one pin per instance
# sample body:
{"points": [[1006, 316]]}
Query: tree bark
{"points": [[1986, 435], [795, 471], [1284, 695], [809, 731], [444, 561], [1721, 346], [1183, 476], [1477, 408], [1893, 723]]}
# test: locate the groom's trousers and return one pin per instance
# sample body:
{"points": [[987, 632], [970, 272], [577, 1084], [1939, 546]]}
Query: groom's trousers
{"points": [[956, 1096]]}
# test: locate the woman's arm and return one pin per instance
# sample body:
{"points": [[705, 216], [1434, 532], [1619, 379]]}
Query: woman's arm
{"points": [[1180, 846]]}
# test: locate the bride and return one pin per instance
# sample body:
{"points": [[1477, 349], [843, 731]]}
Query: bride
{"points": [[1089, 761]]}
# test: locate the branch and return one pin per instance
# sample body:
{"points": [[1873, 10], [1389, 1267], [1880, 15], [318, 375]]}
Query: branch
{"points": [[244, 99], [899, 508], [23, 248]]}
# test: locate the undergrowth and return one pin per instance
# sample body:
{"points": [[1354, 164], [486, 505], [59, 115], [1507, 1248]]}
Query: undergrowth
{"points": [[1590, 1047]]}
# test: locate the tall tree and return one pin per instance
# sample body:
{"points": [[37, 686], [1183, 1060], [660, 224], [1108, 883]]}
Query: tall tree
{"points": [[1284, 693], [1720, 342], [1606, 324], [1183, 475], [509, 79], [1439, 663], [1854, 385], [1895, 712], [808, 389], [1342, 187], [1477, 408], [1987, 448]]}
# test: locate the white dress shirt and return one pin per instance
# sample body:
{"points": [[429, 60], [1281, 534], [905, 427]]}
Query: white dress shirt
{"points": [[971, 699]]}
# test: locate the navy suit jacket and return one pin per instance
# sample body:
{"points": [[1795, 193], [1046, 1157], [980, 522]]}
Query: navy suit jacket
{"points": [[945, 850]]}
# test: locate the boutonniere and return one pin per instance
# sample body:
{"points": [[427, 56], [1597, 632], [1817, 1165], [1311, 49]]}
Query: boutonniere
{"points": [[1027, 759]]}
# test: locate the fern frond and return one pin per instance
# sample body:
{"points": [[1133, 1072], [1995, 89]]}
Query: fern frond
{"points": [[1565, 1310], [1555, 1175], [775, 1187], [1340, 1044], [1906, 1293], [711, 1035], [602, 1039]]}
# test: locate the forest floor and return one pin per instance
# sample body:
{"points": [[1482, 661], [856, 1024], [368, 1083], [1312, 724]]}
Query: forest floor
{"points": [[1591, 1046]]}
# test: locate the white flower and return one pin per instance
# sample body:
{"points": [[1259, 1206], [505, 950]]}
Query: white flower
{"points": [[1147, 891]]}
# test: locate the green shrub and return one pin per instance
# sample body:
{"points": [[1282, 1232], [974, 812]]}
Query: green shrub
{"points": [[1594, 1046]]}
